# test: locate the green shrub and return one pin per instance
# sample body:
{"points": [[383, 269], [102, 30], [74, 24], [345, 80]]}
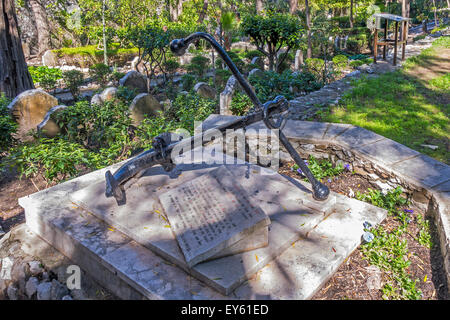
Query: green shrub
{"points": [[97, 127], [340, 62], [56, 159], [170, 65], [321, 168], [73, 79], [358, 42], [315, 66], [188, 81], [45, 76], [273, 84], [251, 54], [126, 94], [100, 72], [7, 124], [240, 104], [199, 65], [222, 76]]}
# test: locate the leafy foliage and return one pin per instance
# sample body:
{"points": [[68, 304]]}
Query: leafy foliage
{"points": [[199, 65], [73, 79], [321, 168], [240, 104], [7, 124], [45, 76], [273, 84], [100, 72], [273, 31]]}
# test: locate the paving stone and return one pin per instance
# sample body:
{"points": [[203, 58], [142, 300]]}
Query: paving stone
{"points": [[357, 137], [424, 170], [335, 129], [387, 151], [442, 187]]}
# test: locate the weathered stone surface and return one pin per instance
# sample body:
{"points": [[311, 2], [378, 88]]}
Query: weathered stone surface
{"points": [[335, 129], [425, 170], [29, 109], [108, 94], [221, 215], [49, 59], [12, 292], [227, 95], [67, 297], [205, 91], [142, 106], [31, 286], [357, 137], [44, 290], [96, 99], [48, 126], [58, 290], [387, 151], [298, 60], [134, 80], [35, 267]]}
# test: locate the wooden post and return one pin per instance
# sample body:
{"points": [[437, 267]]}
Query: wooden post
{"points": [[375, 45], [395, 43], [385, 39], [404, 37]]}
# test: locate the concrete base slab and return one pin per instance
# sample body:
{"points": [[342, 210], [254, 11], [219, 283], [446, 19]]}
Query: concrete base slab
{"points": [[314, 247]]}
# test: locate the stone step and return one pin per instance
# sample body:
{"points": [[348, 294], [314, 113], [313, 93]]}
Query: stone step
{"points": [[312, 249]]}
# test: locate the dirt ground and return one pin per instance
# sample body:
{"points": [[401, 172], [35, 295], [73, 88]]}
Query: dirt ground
{"points": [[350, 281]]}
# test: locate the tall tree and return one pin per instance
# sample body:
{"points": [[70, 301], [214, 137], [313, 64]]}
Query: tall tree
{"points": [[308, 29], [43, 29], [14, 75], [351, 13]]}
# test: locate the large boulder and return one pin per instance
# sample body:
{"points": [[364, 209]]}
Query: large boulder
{"points": [[205, 91], [134, 80], [48, 127], [29, 109], [49, 59], [142, 106]]}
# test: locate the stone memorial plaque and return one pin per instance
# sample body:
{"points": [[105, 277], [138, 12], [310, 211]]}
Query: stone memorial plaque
{"points": [[208, 215]]}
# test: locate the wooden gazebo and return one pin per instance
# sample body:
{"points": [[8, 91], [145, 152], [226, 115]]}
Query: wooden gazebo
{"points": [[390, 42]]}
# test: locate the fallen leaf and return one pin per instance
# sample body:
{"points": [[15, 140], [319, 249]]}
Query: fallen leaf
{"points": [[166, 226], [334, 250], [425, 279], [256, 258]]}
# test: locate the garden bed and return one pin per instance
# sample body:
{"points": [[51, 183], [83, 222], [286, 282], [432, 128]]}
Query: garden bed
{"points": [[351, 279]]}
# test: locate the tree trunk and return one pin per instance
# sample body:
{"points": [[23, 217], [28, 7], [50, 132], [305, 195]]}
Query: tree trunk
{"points": [[435, 14], [405, 13], [43, 30], [14, 75], [351, 13], [293, 6], [308, 27], [202, 14], [105, 44]]}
